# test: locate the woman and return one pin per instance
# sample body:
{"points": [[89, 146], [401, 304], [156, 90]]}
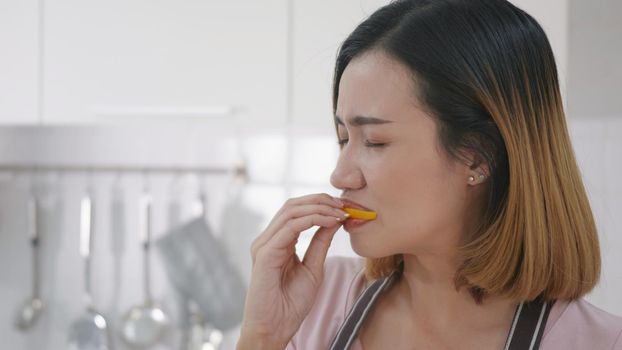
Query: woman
{"points": [[452, 131]]}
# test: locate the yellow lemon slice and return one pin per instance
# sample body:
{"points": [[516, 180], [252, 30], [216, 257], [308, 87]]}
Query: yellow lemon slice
{"points": [[360, 214]]}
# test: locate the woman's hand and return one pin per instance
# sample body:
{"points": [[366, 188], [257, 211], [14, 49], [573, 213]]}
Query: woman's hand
{"points": [[282, 288]]}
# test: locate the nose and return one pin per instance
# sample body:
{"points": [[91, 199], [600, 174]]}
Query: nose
{"points": [[347, 175]]}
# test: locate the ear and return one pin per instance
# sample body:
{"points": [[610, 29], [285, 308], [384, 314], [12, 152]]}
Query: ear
{"points": [[477, 166]]}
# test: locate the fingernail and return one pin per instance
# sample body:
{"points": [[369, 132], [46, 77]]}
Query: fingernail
{"points": [[345, 216], [339, 202]]}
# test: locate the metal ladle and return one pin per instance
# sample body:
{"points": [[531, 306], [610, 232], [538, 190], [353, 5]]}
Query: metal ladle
{"points": [[201, 335], [33, 308], [209, 337], [90, 330], [144, 325]]}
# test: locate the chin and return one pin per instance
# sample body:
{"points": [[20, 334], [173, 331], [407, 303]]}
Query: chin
{"points": [[368, 249]]}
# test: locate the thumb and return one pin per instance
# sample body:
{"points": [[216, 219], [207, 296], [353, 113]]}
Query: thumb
{"points": [[318, 248]]}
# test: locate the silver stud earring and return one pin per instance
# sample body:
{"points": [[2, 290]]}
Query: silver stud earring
{"points": [[471, 178], [481, 176]]}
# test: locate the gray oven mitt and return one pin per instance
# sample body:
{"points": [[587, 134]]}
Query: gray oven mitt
{"points": [[197, 265]]}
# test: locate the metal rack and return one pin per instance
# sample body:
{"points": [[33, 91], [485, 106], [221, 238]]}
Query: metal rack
{"points": [[236, 170]]}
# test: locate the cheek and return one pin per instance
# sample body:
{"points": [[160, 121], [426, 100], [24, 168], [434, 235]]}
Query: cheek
{"points": [[418, 201]]}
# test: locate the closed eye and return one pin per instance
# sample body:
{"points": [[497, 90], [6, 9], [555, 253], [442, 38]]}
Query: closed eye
{"points": [[367, 143]]}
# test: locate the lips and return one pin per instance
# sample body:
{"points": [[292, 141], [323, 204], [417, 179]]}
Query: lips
{"points": [[351, 204]]}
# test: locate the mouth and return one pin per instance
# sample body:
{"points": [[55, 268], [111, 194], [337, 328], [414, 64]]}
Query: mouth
{"points": [[358, 212], [351, 204]]}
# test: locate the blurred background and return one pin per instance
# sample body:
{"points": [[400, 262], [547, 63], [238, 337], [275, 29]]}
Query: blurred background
{"points": [[218, 111]]}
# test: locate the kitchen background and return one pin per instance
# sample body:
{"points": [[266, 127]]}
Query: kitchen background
{"points": [[228, 101]]}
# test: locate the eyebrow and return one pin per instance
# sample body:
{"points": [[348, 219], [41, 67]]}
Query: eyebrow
{"points": [[360, 121]]}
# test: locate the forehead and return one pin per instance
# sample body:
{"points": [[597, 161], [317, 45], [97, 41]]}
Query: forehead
{"points": [[376, 85]]}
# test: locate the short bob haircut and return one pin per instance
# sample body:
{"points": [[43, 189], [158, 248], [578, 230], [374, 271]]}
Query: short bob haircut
{"points": [[485, 71]]}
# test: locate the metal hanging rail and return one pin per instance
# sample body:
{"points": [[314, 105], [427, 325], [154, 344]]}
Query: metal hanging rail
{"points": [[239, 170]]}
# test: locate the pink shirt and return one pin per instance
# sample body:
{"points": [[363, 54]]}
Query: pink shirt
{"points": [[575, 324]]}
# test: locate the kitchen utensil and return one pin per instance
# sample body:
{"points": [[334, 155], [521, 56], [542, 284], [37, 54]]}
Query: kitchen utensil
{"points": [[174, 209], [199, 268], [201, 335], [240, 223], [89, 331], [33, 308], [199, 207], [144, 325], [117, 219], [197, 334]]}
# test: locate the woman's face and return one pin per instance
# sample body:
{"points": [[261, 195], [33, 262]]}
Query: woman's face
{"points": [[396, 168]]}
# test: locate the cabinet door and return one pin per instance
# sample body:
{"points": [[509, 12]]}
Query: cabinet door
{"points": [[319, 29], [19, 62], [118, 59]]}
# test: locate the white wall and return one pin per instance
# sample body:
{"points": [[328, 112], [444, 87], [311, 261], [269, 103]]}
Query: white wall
{"points": [[594, 59], [597, 146]]}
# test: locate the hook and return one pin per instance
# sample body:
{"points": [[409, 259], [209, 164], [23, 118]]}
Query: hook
{"points": [[89, 182], [146, 184], [202, 196]]}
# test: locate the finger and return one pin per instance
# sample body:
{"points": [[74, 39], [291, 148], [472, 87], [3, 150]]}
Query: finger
{"points": [[282, 244], [290, 232], [316, 198], [297, 212], [291, 209], [318, 249]]}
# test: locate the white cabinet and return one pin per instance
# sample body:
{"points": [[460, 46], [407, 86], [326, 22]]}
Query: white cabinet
{"points": [[18, 61], [319, 28], [106, 59]]}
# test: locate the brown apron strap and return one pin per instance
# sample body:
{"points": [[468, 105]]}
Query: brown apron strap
{"points": [[352, 323], [525, 334], [528, 325]]}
